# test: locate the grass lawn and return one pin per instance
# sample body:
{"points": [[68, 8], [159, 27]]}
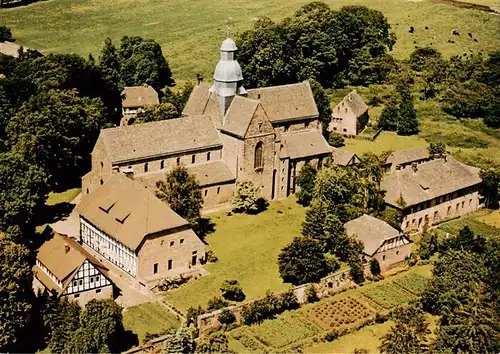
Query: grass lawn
{"points": [[247, 247], [490, 3], [483, 222], [385, 141], [148, 318], [63, 197], [191, 32]]}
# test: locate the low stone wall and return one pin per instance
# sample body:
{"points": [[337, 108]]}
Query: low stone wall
{"points": [[209, 322]]}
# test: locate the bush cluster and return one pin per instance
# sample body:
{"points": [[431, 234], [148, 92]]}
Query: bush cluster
{"points": [[172, 283], [269, 306]]}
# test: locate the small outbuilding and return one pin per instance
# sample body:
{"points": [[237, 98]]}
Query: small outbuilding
{"points": [[136, 98], [349, 117], [381, 241]]}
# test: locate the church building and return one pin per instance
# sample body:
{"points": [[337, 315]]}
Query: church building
{"points": [[226, 134]]}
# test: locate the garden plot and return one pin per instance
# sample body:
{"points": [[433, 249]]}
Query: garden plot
{"points": [[413, 283], [340, 313], [388, 295]]}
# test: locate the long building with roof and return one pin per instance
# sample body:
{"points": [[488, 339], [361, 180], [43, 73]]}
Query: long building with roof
{"points": [[226, 134], [431, 191]]}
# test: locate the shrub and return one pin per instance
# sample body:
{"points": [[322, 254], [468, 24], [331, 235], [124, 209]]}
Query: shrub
{"points": [[307, 177], [216, 303], [375, 267], [287, 301], [331, 336], [211, 257], [389, 118], [248, 199], [311, 294], [227, 317], [356, 271], [192, 315], [231, 290], [336, 140], [171, 283]]}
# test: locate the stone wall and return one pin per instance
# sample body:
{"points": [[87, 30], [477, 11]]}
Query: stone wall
{"points": [[217, 194], [105, 292], [333, 282]]}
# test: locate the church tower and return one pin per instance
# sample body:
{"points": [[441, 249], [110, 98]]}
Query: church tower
{"points": [[227, 77]]}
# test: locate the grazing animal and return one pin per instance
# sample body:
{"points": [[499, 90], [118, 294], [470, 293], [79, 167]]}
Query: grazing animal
{"points": [[411, 30]]}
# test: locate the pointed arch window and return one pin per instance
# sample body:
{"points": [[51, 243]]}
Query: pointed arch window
{"points": [[258, 161]]}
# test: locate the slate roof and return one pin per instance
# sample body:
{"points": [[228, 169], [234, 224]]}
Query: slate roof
{"points": [[371, 231], [139, 96], [304, 143], [207, 173], [239, 115], [432, 179], [63, 256], [353, 101], [286, 102], [139, 141], [342, 157], [11, 49], [406, 156], [197, 100], [128, 212], [210, 173]]}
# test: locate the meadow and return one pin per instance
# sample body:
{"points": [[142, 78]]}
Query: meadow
{"points": [[191, 32], [247, 248]]}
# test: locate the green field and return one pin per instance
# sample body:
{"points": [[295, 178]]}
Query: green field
{"points": [[62, 197], [247, 247], [190, 32], [481, 222], [148, 318]]}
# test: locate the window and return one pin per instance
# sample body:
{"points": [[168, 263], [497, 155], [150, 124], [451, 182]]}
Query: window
{"points": [[77, 296], [206, 192], [87, 191], [75, 283], [208, 156], [435, 215], [287, 126], [169, 264], [193, 159], [449, 210], [171, 243], [335, 128], [306, 124], [470, 202], [463, 204], [397, 252], [218, 190], [456, 208], [195, 252], [383, 257], [407, 224], [162, 164], [145, 167], [182, 241], [178, 161], [96, 278], [91, 280], [345, 130], [260, 127], [155, 268], [258, 155], [101, 182], [81, 282], [102, 164], [419, 222], [98, 291]]}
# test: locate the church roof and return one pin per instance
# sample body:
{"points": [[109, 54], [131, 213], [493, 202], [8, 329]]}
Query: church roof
{"points": [[432, 179], [286, 102], [139, 96], [197, 100], [228, 45], [210, 173], [139, 141], [371, 231], [128, 212], [239, 115], [304, 144], [63, 256]]}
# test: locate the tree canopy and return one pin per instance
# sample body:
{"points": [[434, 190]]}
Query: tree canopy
{"points": [[335, 48]]}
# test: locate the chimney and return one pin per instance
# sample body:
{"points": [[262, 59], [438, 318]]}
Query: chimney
{"points": [[66, 248], [414, 167], [199, 77]]}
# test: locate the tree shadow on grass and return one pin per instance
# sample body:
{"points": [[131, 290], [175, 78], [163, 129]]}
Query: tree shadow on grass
{"points": [[203, 227], [53, 213]]}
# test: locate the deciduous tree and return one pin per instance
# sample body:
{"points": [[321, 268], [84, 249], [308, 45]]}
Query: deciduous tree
{"points": [[307, 177]]}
